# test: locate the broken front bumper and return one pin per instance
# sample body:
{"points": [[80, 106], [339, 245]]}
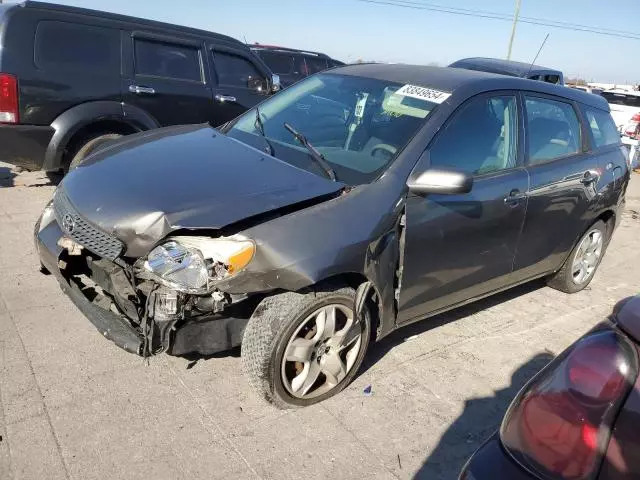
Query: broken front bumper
{"points": [[205, 335]]}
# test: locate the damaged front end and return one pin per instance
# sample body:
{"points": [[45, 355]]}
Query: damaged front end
{"points": [[167, 301]]}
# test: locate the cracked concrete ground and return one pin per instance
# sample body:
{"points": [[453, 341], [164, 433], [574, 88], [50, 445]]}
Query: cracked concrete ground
{"points": [[74, 406]]}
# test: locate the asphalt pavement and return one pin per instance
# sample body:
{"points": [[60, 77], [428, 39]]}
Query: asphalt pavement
{"points": [[74, 406]]}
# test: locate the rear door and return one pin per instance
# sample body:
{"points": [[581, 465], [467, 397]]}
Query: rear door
{"points": [[240, 82], [565, 179], [458, 247], [166, 77]]}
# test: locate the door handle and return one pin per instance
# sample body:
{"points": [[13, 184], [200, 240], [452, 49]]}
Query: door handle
{"points": [[514, 197], [138, 90], [589, 177], [224, 98]]}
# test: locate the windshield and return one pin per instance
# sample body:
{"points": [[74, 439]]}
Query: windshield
{"points": [[359, 125]]}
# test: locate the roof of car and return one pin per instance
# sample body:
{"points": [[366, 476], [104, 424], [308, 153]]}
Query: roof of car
{"points": [[122, 18], [450, 79], [275, 48], [505, 67]]}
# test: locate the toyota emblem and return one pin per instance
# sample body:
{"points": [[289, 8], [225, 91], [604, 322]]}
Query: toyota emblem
{"points": [[68, 223]]}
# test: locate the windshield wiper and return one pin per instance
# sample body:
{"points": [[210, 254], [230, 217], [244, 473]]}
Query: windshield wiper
{"points": [[260, 128], [315, 154]]}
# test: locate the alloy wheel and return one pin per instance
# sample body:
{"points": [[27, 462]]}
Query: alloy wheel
{"points": [[587, 257], [321, 351]]}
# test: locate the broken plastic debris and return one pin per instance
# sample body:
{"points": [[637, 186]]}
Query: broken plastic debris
{"points": [[368, 391]]}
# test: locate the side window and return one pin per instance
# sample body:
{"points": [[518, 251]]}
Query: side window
{"points": [[71, 46], [279, 63], [553, 129], [234, 70], [480, 138], [603, 128], [315, 65], [167, 60]]}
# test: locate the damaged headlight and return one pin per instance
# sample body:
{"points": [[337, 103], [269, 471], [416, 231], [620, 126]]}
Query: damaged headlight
{"points": [[192, 264]]}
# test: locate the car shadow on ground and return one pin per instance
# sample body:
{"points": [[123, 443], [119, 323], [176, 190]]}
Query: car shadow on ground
{"points": [[378, 350], [11, 177], [480, 418], [6, 177]]}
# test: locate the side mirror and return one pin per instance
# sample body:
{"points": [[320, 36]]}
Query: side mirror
{"points": [[276, 86], [256, 84], [445, 181]]}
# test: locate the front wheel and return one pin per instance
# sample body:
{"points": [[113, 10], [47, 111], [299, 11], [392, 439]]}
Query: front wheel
{"points": [[301, 348], [581, 266]]}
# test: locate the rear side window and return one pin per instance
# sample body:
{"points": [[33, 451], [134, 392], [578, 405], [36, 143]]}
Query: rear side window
{"points": [[622, 99], [553, 130], [481, 137], [71, 46], [280, 63], [167, 60], [315, 65], [234, 70], [603, 128]]}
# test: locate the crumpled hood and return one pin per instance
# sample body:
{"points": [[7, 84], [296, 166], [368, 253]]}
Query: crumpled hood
{"points": [[193, 177]]}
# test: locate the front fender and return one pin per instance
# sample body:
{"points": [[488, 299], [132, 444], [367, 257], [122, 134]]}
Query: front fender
{"points": [[67, 124]]}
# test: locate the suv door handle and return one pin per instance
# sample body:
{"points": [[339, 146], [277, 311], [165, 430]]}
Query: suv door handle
{"points": [[514, 197], [138, 90], [589, 177], [224, 98]]}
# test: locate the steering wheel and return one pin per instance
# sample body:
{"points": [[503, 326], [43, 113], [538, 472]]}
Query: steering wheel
{"points": [[385, 147]]}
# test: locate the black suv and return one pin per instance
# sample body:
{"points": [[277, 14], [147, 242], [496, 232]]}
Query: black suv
{"points": [[293, 65], [511, 68], [72, 78]]}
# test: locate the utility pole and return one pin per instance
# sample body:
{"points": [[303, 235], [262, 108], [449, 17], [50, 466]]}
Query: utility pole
{"points": [[513, 29]]}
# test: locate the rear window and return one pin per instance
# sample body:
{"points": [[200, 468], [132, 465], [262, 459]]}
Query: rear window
{"points": [[167, 60], [603, 128], [622, 99], [72, 46], [280, 63]]}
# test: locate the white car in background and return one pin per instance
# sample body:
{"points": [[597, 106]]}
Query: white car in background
{"points": [[625, 110]]}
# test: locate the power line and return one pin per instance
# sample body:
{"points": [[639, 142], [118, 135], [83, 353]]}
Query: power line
{"points": [[504, 17]]}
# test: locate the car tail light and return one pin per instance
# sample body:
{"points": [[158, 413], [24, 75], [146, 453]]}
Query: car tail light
{"points": [[8, 99], [559, 425]]}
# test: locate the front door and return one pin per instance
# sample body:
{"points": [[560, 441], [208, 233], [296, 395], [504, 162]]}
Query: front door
{"points": [[167, 80], [240, 84], [458, 247], [564, 185]]}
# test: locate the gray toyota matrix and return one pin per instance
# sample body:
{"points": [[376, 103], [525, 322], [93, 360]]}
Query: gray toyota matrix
{"points": [[353, 203]]}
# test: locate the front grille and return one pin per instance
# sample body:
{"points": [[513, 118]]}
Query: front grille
{"points": [[76, 227]]}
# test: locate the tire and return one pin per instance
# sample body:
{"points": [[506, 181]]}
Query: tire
{"points": [[280, 319], [566, 279], [89, 146]]}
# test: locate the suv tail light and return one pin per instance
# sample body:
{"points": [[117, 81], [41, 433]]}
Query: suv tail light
{"points": [[8, 99], [559, 424]]}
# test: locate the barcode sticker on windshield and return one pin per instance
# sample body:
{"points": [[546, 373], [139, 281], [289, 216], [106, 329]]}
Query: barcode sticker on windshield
{"points": [[422, 93]]}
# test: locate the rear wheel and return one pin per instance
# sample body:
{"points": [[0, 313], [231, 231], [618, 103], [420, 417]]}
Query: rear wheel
{"points": [[301, 348], [581, 266], [89, 146]]}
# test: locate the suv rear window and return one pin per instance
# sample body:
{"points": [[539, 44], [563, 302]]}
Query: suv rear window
{"points": [[603, 128], [167, 60], [64, 46], [622, 99]]}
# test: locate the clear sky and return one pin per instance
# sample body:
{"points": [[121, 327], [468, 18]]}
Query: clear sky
{"points": [[349, 30]]}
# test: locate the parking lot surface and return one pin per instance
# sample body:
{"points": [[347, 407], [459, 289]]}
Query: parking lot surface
{"points": [[74, 406]]}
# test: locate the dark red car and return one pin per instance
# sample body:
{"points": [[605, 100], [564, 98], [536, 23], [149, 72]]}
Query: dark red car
{"points": [[579, 418]]}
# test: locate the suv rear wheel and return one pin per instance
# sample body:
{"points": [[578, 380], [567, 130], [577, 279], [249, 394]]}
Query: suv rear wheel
{"points": [[88, 146], [301, 348]]}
